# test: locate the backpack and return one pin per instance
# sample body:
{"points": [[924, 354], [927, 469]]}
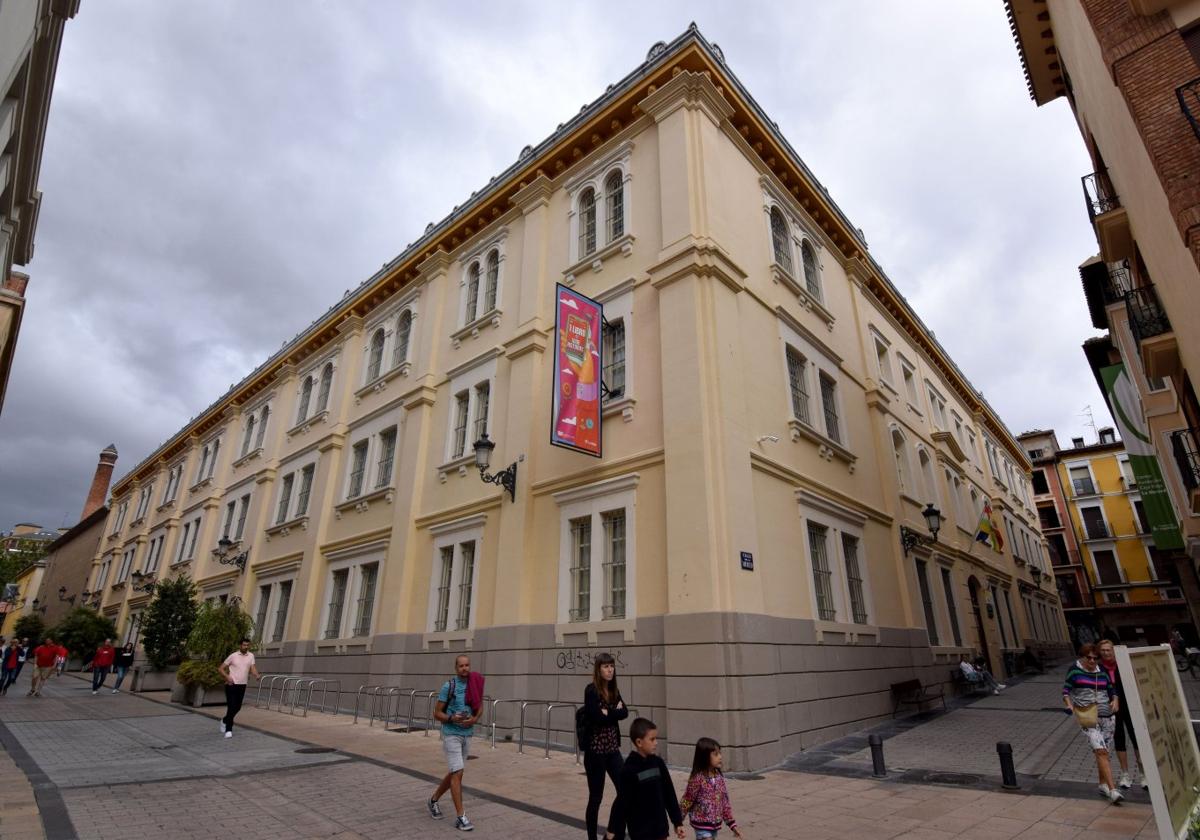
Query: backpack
{"points": [[583, 728]]}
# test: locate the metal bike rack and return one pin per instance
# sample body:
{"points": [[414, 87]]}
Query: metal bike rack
{"points": [[362, 689], [412, 700], [274, 680], [521, 737], [549, 709], [383, 703], [283, 690], [431, 697], [496, 703]]}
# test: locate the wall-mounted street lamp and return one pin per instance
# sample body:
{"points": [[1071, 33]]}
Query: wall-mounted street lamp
{"points": [[63, 596], [506, 478], [221, 552], [1037, 576], [142, 582], [42, 609], [910, 539]]}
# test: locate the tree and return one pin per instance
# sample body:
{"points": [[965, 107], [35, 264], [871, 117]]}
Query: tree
{"points": [[168, 622], [18, 555], [217, 631], [30, 627], [82, 630]]}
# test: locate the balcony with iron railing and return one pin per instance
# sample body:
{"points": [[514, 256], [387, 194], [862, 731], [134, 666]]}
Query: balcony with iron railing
{"points": [[1084, 487], [1185, 446], [1189, 103], [1108, 217], [1152, 331], [1097, 530]]}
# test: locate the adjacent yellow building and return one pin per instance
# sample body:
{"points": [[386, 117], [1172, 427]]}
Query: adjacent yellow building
{"points": [[775, 415]]}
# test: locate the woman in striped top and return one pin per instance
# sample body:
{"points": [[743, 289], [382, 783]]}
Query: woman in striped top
{"points": [[1088, 690]]}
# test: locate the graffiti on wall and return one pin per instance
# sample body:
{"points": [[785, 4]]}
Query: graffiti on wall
{"points": [[578, 659]]}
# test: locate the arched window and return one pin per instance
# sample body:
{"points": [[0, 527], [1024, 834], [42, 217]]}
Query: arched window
{"points": [[587, 222], [614, 202], [403, 331], [930, 488], [326, 383], [493, 281], [262, 425], [375, 359], [305, 399], [472, 293], [811, 279], [249, 434], [903, 467], [779, 240]]}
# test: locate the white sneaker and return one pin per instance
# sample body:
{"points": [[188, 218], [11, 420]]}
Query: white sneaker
{"points": [[228, 734], [1115, 796], [1125, 782], [94, 692], [1001, 686], [1104, 791], [115, 691], [995, 691]]}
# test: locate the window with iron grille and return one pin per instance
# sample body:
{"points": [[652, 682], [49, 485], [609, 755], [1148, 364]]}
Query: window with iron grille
{"points": [[183, 542], [368, 574], [230, 510], [337, 602], [387, 454], [326, 384], [822, 576], [614, 200], [491, 286], [250, 421], [472, 293], [262, 426], [281, 610], [305, 398], [614, 563], [614, 359], [462, 404], [306, 480], [191, 552], [812, 279], [260, 616], [587, 223], [581, 569], [795, 365], [375, 358], [358, 466], [948, 590], [241, 524], [780, 244], [483, 393], [466, 556], [443, 592], [854, 580], [829, 404], [403, 334], [927, 602], [285, 498]]}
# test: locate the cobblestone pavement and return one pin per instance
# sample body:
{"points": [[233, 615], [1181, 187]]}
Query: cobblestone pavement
{"points": [[376, 783]]}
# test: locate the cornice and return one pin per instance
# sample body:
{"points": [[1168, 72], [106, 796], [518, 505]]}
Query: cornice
{"points": [[687, 89]]}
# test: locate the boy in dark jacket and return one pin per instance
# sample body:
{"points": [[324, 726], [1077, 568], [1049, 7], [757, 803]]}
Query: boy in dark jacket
{"points": [[645, 793]]}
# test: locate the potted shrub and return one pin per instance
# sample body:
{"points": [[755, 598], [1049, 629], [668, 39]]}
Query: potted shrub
{"points": [[166, 625], [216, 633]]}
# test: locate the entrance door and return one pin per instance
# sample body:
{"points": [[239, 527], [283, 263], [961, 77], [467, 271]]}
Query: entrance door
{"points": [[974, 587]]}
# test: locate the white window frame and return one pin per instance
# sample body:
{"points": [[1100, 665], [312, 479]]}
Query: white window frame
{"points": [[154, 553], [883, 359], [371, 432], [836, 519], [316, 370], [595, 176], [1082, 464], [592, 501], [352, 560], [818, 359], [908, 374], [937, 407], [929, 479], [446, 535], [478, 255], [467, 378], [618, 307]]}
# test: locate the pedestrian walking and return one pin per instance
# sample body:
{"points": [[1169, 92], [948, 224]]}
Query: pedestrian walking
{"points": [[603, 710], [60, 661], [22, 656], [43, 666], [123, 663], [979, 674], [236, 669], [1123, 723], [706, 801], [102, 661], [1090, 696], [645, 795], [459, 704], [8, 661]]}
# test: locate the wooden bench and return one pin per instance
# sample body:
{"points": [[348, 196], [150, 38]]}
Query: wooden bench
{"points": [[913, 693], [962, 684]]}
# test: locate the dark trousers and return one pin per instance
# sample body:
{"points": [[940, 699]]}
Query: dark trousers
{"points": [[234, 695], [99, 675], [596, 766], [13, 674], [1124, 722], [121, 671]]}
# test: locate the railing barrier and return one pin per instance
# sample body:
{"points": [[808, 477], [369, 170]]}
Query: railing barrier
{"points": [[549, 710]]}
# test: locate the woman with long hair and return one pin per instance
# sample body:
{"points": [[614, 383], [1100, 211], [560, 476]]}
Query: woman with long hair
{"points": [[1124, 723], [603, 709], [1089, 695]]}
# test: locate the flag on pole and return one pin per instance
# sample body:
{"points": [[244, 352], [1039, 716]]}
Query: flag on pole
{"points": [[988, 531]]}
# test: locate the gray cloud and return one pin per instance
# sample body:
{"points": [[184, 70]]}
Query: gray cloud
{"points": [[217, 174]]}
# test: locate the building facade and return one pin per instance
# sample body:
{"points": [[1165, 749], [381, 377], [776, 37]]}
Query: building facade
{"points": [[30, 37], [775, 413], [1130, 72]]}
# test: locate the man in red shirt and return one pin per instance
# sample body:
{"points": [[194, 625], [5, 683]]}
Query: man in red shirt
{"points": [[101, 663], [43, 660]]}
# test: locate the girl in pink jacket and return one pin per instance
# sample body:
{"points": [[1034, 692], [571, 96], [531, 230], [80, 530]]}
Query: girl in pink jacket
{"points": [[706, 800]]}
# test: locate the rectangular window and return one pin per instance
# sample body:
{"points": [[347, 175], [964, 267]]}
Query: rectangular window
{"points": [[927, 603], [884, 360], [1143, 523], [854, 581], [1093, 523], [366, 599], [337, 602], [829, 403], [1081, 481], [795, 364], [483, 393], [285, 498], [358, 465], [191, 552], [1106, 567], [1048, 517], [822, 576], [614, 359], [999, 618], [183, 542], [260, 616], [614, 563], [1040, 486], [948, 589], [937, 406], [126, 560], [581, 569], [466, 556], [443, 606], [212, 462], [462, 404], [387, 454], [230, 510], [241, 524], [281, 610], [1011, 622], [306, 480], [153, 555], [910, 382]]}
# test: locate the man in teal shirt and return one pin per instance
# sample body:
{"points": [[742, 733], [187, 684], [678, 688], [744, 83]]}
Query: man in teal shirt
{"points": [[458, 724]]}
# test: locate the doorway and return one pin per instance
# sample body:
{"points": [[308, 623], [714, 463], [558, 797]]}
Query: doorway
{"points": [[974, 586]]}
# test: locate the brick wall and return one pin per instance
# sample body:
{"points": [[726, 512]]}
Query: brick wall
{"points": [[1148, 61]]}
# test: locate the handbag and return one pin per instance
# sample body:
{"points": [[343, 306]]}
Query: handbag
{"points": [[1087, 717]]}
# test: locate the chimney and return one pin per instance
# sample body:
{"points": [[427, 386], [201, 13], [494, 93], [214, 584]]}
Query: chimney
{"points": [[99, 491]]}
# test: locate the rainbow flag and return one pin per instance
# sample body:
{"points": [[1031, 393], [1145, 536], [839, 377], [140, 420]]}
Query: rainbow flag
{"points": [[988, 531]]}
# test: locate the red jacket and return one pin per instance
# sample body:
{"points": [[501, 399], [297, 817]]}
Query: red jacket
{"points": [[105, 654]]}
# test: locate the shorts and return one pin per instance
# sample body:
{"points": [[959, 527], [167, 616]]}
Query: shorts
{"points": [[44, 673], [457, 748], [706, 833], [1100, 737]]}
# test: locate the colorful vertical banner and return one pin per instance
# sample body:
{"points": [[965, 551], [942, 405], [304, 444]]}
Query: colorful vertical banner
{"points": [[578, 348], [1126, 407]]}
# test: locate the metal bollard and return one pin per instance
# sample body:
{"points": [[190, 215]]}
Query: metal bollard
{"points": [[1008, 773], [878, 770]]}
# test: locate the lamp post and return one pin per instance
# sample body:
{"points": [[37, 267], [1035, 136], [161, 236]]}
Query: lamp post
{"points": [[910, 539], [506, 478], [42, 609], [221, 553], [63, 596]]}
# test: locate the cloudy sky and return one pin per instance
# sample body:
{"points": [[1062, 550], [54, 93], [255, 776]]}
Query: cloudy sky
{"points": [[216, 174]]}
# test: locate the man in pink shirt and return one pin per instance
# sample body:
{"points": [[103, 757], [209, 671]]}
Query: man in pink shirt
{"points": [[236, 668]]}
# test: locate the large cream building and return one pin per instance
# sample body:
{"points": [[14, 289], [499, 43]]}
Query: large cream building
{"points": [[771, 393]]}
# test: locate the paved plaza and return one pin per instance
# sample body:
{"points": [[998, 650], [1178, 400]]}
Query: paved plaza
{"points": [[81, 766]]}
